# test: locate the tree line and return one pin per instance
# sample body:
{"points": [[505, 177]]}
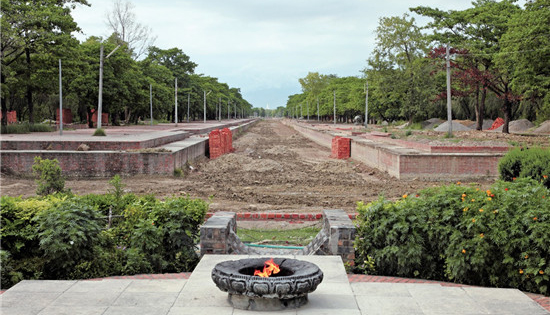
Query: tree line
{"points": [[499, 56], [36, 34]]}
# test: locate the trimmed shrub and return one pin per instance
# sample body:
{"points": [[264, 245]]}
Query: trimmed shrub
{"points": [[498, 237], [531, 163]]}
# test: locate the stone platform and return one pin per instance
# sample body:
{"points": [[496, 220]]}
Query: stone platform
{"points": [[199, 295]]}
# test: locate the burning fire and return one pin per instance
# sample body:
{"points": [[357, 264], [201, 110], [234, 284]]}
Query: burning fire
{"points": [[269, 267]]}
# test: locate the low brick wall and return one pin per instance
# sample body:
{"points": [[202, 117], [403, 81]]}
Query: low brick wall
{"points": [[85, 164], [218, 236], [107, 163], [405, 161]]}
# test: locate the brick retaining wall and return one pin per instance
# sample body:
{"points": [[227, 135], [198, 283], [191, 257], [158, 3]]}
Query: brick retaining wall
{"points": [[405, 161], [107, 163]]}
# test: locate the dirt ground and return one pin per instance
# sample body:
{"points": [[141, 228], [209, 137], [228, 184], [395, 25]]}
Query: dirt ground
{"points": [[274, 168]]}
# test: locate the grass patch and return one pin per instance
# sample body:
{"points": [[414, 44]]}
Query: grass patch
{"points": [[293, 237], [26, 128]]}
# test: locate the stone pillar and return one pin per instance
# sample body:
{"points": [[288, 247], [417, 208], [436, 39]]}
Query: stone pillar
{"points": [[341, 234], [215, 233]]}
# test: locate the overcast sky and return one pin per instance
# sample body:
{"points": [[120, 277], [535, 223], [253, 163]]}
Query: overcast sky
{"points": [[264, 46]]}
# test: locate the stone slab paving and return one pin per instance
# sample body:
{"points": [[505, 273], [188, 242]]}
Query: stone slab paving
{"points": [[198, 295]]}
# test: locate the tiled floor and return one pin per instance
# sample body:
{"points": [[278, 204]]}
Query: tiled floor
{"points": [[175, 294]]}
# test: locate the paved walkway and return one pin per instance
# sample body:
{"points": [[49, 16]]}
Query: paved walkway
{"points": [[195, 293]]}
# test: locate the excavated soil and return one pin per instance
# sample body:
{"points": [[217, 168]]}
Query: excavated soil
{"points": [[273, 168]]}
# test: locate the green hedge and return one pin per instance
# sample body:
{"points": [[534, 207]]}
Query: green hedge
{"points": [[499, 237], [64, 236], [530, 163]]}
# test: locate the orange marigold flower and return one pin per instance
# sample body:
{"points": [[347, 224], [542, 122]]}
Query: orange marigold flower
{"points": [[463, 251], [474, 220], [458, 183], [481, 235], [535, 218], [545, 176], [417, 195], [526, 256], [480, 210], [473, 200], [488, 192], [541, 272], [521, 271], [465, 209], [463, 195], [405, 196], [513, 178]]}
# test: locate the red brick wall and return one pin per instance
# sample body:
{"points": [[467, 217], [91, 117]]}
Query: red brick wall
{"points": [[104, 118], [67, 116], [11, 116], [98, 164], [340, 148], [220, 142]]}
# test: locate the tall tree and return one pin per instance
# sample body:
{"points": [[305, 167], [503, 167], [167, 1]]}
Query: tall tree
{"points": [[525, 55], [28, 28], [478, 30], [122, 21], [400, 46]]}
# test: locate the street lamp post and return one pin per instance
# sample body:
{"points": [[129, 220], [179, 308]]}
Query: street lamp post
{"points": [[60, 101], [367, 104], [188, 100], [334, 107], [151, 101], [176, 101], [100, 97], [204, 107]]}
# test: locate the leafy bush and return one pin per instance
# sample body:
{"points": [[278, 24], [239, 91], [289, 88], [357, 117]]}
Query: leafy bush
{"points": [[49, 173], [63, 236], [67, 235], [532, 163], [19, 224], [497, 237], [165, 231]]}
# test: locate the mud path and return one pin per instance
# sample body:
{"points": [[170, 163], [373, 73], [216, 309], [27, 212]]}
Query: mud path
{"points": [[274, 168]]}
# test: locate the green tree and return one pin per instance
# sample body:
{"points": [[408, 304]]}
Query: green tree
{"points": [[525, 55], [398, 70], [31, 29], [478, 31], [175, 60]]}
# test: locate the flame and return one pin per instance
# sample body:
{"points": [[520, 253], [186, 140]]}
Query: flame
{"points": [[269, 267]]}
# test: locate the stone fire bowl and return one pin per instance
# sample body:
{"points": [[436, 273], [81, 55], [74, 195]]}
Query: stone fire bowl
{"points": [[287, 289]]}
